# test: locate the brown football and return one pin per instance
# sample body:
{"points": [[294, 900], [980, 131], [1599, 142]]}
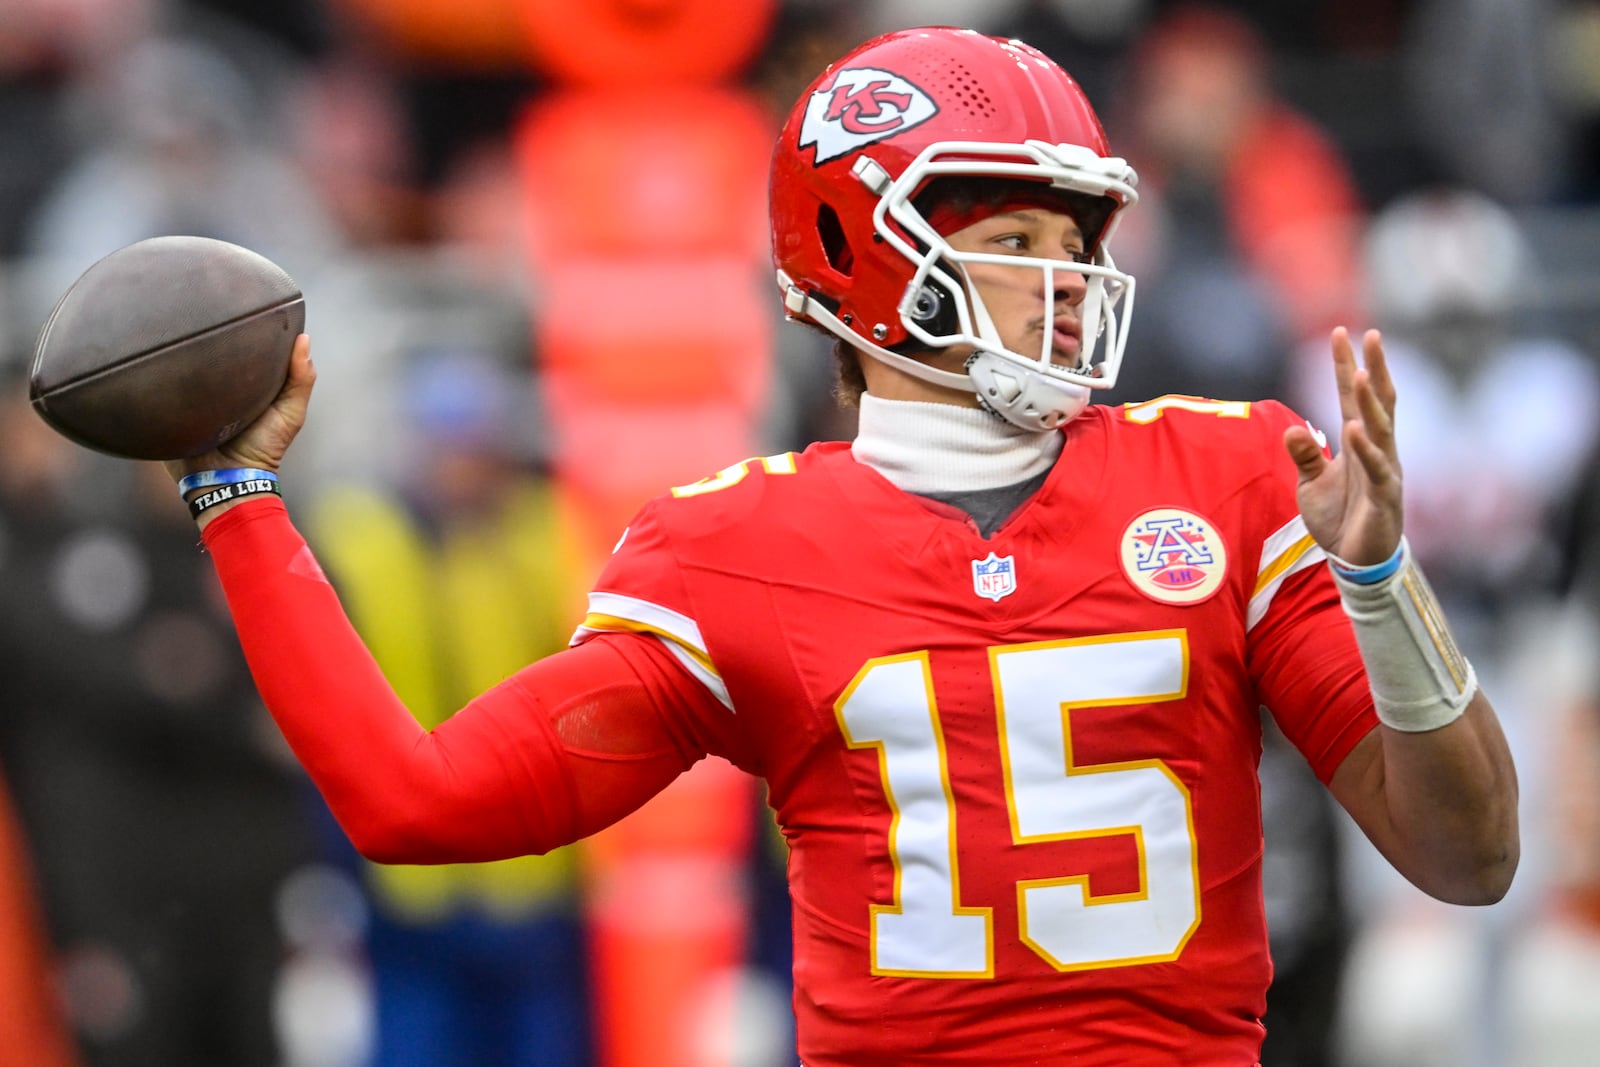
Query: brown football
{"points": [[166, 348]]}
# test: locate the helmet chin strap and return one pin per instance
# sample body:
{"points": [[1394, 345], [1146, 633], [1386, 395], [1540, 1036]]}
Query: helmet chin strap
{"points": [[799, 304], [1024, 397]]}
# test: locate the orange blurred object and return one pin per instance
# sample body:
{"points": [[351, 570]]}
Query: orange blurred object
{"points": [[668, 907], [651, 385], [657, 330], [33, 1028], [644, 201], [681, 170], [481, 34], [645, 42], [612, 458]]}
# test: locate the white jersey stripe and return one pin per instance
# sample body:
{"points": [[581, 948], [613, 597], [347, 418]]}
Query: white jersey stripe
{"points": [[1289, 549], [615, 613]]}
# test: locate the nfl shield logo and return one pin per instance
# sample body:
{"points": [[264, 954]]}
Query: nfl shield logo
{"points": [[994, 577]]}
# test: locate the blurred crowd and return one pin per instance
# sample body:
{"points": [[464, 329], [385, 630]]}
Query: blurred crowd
{"points": [[532, 240]]}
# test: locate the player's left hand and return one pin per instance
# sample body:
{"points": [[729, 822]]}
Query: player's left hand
{"points": [[1352, 503]]}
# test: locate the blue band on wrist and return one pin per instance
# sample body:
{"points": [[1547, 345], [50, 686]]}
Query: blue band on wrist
{"points": [[1370, 575], [227, 476]]}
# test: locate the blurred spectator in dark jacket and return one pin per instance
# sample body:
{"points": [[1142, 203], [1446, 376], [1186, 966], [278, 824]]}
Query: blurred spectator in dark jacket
{"points": [[162, 806], [1249, 220]]}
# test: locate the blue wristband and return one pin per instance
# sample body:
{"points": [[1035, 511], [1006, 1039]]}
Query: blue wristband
{"points": [[227, 476], [1370, 575]]}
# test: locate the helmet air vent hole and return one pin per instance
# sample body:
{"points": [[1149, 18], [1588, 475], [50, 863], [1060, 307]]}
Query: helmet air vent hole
{"points": [[834, 243], [969, 90]]}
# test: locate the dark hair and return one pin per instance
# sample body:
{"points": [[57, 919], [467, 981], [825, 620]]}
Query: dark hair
{"points": [[964, 193], [849, 379]]}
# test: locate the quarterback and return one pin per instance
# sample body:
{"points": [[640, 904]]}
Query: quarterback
{"points": [[999, 660]]}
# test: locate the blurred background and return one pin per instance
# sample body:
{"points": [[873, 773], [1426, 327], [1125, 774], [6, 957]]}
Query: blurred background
{"points": [[532, 237]]}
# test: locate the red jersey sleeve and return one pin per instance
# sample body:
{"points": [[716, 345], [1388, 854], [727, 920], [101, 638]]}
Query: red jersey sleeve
{"points": [[561, 749], [1301, 651], [642, 590], [1310, 675]]}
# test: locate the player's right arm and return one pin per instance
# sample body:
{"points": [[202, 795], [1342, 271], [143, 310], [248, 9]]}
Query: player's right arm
{"points": [[561, 749]]}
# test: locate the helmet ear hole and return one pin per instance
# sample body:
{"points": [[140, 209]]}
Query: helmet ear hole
{"points": [[835, 245], [934, 309]]}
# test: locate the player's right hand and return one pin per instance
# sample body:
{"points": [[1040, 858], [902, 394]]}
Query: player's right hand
{"points": [[263, 443]]}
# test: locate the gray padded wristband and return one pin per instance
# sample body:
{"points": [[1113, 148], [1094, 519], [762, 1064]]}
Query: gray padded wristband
{"points": [[1419, 678]]}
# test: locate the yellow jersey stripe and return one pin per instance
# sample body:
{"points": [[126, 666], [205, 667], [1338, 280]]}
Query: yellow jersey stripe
{"points": [[1291, 548], [616, 613]]}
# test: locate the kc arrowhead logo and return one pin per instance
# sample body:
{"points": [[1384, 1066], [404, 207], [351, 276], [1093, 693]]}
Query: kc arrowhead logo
{"points": [[862, 105]]}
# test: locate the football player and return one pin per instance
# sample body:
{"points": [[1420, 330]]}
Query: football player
{"points": [[999, 659]]}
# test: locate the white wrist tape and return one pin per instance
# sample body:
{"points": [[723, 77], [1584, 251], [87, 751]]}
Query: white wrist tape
{"points": [[1419, 678]]}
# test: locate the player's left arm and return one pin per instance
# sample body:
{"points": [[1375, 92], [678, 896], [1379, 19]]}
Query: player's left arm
{"points": [[1433, 786]]}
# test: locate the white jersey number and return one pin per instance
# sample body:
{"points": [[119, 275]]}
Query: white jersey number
{"points": [[927, 932]]}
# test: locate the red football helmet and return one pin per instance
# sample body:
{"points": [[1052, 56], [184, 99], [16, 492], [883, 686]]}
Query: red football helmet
{"points": [[855, 256]]}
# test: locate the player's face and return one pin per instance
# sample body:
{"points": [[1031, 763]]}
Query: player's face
{"points": [[1026, 319]]}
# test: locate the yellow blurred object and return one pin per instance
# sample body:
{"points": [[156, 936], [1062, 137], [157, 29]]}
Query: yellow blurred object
{"points": [[447, 617]]}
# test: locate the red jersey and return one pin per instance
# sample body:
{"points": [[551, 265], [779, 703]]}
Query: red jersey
{"points": [[1017, 775]]}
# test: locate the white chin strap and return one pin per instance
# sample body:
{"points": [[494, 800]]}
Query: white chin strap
{"points": [[1023, 396], [800, 305]]}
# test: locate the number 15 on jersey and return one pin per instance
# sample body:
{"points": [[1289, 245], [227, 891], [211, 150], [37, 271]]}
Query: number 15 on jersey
{"points": [[928, 931]]}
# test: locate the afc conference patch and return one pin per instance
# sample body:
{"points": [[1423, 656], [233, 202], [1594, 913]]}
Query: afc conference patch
{"points": [[995, 576], [1173, 556]]}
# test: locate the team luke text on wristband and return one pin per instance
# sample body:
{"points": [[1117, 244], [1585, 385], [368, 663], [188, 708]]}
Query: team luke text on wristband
{"points": [[223, 494]]}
